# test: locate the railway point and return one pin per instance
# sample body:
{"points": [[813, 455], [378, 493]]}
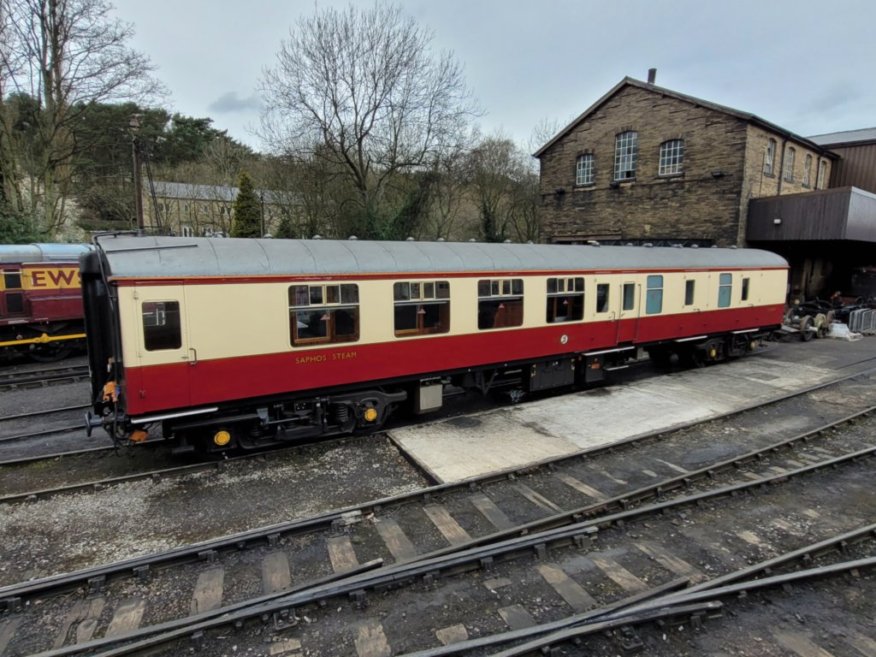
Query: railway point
{"points": [[514, 437]]}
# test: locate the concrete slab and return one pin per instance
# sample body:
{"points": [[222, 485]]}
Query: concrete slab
{"points": [[508, 438]]}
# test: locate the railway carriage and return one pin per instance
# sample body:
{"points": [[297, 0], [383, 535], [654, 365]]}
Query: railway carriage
{"points": [[246, 342], [40, 300]]}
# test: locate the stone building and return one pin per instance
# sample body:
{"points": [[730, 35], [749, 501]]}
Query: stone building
{"points": [[646, 164], [202, 210]]}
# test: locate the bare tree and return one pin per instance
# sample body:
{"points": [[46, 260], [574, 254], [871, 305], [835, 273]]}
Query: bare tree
{"points": [[360, 89], [64, 54], [497, 174]]}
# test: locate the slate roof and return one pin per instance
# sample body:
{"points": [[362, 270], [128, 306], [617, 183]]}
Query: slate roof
{"points": [[628, 81]]}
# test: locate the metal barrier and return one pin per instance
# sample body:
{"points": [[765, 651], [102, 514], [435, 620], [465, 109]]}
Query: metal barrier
{"points": [[863, 321]]}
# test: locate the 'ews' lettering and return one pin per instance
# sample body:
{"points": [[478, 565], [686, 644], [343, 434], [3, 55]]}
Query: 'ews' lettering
{"points": [[54, 278]]}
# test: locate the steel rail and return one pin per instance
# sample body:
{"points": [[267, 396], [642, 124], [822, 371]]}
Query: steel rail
{"points": [[662, 598], [195, 550], [461, 558], [51, 411], [38, 434], [681, 602], [42, 377]]}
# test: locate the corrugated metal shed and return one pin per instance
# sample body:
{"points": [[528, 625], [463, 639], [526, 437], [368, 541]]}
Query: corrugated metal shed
{"points": [[170, 257]]}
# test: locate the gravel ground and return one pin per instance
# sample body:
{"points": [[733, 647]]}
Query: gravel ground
{"points": [[46, 537]]}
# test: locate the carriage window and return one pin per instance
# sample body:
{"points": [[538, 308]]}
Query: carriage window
{"points": [[654, 296], [602, 298], [689, 287], [161, 325], [565, 300], [745, 289], [629, 296], [500, 303], [421, 307], [725, 290], [323, 313], [12, 280]]}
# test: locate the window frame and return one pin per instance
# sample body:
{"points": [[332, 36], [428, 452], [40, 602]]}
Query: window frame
{"points": [[628, 302], [157, 340], [821, 175], [725, 290], [654, 294], [422, 299], [626, 155], [343, 302], [603, 304], [671, 158], [769, 158], [504, 291], [573, 298], [690, 291], [585, 172], [807, 170], [788, 165]]}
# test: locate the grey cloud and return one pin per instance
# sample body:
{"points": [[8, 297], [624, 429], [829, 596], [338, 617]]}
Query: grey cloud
{"points": [[231, 102]]}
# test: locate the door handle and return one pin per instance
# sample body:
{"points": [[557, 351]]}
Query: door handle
{"points": [[193, 356]]}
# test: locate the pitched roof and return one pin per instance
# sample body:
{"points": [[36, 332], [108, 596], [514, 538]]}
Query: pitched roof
{"points": [[223, 193], [863, 135], [630, 82]]}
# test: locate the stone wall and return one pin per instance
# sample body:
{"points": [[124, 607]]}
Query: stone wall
{"points": [[723, 169]]}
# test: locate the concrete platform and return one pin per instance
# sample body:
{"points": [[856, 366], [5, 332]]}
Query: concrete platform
{"points": [[511, 437]]}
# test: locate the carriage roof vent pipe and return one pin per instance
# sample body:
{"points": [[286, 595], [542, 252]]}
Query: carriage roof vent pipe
{"points": [[694, 246], [647, 245], [317, 237], [472, 239], [507, 242], [440, 239], [678, 246], [352, 237], [410, 239], [593, 243]]}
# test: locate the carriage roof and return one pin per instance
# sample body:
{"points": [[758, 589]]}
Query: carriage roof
{"points": [[175, 257]]}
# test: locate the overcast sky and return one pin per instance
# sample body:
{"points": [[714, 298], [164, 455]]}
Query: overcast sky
{"points": [[807, 66]]}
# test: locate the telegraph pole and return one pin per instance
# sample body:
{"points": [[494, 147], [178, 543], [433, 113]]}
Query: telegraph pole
{"points": [[138, 183]]}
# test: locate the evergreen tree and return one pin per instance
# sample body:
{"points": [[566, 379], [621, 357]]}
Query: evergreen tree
{"points": [[247, 219]]}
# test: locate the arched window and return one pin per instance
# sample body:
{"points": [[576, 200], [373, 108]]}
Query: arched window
{"points": [[769, 157], [807, 170], [626, 155], [671, 157], [584, 169], [822, 171], [788, 167]]}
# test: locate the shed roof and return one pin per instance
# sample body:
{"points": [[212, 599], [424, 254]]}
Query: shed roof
{"points": [[170, 257], [863, 135]]}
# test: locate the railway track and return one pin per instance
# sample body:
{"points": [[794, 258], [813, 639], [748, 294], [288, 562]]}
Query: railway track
{"points": [[44, 377], [167, 470], [512, 514]]}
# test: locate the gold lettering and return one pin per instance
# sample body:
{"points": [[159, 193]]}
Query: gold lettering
{"points": [[344, 355]]}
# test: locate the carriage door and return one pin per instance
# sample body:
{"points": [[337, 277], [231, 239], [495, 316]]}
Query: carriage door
{"points": [[166, 357], [628, 316]]}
